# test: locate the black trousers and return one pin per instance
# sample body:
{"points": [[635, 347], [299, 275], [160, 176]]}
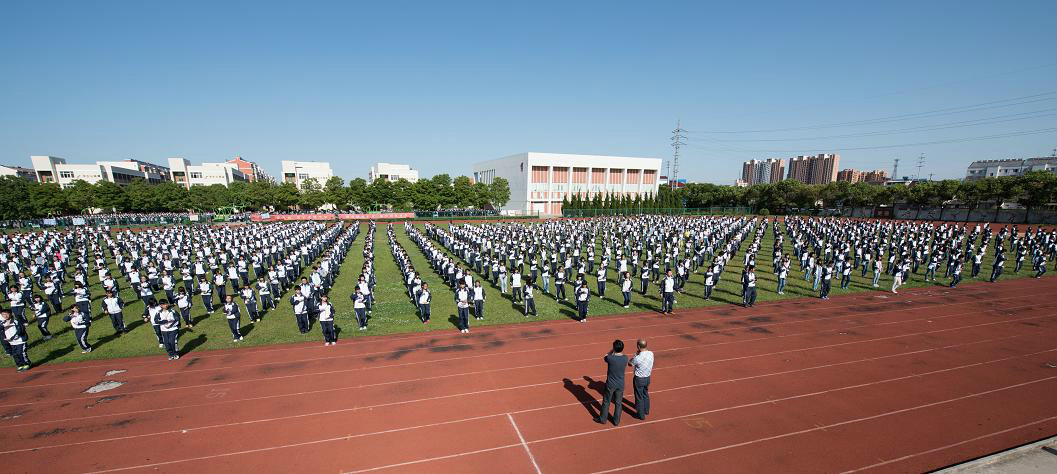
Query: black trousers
{"points": [[530, 306], [478, 308], [82, 338], [615, 395], [642, 395], [118, 321], [302, 322], [559, 291], [233, 324], [169, 339], [361, 316], [464, 317], [329, 335]]}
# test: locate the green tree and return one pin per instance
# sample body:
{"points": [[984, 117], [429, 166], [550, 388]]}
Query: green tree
{"points": [[499, 192], [285, 196], [15, 198], [357, 191], [311, 196], [335, 192], [464, 192], [47, 198], [172, 197], [142, 196], [110, 197], [482, 195], [80, 195], [401, 194], [1036, 189]]}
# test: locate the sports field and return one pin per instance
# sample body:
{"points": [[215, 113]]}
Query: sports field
{"points": [[394, 312], [871, 382]]}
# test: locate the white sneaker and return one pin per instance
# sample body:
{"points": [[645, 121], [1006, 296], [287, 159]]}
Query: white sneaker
{"points": [[240, 338]]}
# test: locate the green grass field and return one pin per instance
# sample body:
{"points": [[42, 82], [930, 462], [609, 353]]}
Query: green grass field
{"points": [[394, 312]]}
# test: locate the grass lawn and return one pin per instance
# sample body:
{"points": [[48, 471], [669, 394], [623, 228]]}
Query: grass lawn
{"points": [[395, 313]]}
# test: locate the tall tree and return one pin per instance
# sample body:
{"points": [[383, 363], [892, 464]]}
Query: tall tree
{"points": [[311, 196], [464, 192], [499, 192], [47, 198], [335, 192], [15, 198], [110, 197], [80, 195]]}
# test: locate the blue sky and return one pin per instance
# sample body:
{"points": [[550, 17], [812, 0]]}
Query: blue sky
{"points": [[440, 85]]}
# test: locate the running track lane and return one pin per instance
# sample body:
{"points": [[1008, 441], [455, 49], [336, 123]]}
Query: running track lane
{"points": [[992, 358]]}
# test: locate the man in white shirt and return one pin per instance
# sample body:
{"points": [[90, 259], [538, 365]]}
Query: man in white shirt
{"points": [[643, 364]]}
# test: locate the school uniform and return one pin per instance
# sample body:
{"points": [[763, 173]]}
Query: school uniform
{"points": [[169, 324], [14, 338], [300, 307], [326, 323], [424, 299], [114, 307], [478, 302], [80, 324], [530, 301], [234, 318], [668, 295], [748, 289]]}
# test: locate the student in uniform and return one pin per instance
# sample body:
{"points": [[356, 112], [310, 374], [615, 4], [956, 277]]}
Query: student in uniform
{"points": [[206, 291], [878, 268], [559, 286], [667, 293], [263, 289], [183, 304], [601, 275], [326, 321], [897, 278], [625, 288], [583, 298], [14, 338], [234, 317], [710, 281], [826, 278], [114, 307], [365, 288], [1040, 262], [644, 280], [424, 299], [996, 268], [152, 310], [845, 277], [359, 307], [530, 299], [80, 323], [300, 306], [478, 299], [82, 299], [748, 287], [43, 315], [516, 285], [956, 273], [249, 298], [462, 304], [170, 329]]}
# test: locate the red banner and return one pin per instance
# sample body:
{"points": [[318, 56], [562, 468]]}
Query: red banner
{"points": [[386, 215]]}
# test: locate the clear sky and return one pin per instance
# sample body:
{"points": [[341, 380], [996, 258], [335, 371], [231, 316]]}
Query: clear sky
{"points": [[440, 85]]}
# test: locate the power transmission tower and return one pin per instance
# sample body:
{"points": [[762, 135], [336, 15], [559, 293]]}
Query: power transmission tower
{"points": [[895, 169], [678, 140], [921, 162]]}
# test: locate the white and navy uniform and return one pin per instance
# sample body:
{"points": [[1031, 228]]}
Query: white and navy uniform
{"points": [[300, 306], [183, 303], [43, 314], [326, 322], [249, 298], [15, 343], [169, 324], [114, 307], [234, 317], [80, 324], [359, 306], [424, 299], [478, 302]]}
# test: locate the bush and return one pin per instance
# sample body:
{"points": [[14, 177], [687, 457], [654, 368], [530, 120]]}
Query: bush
{"points": [[764, 212]]}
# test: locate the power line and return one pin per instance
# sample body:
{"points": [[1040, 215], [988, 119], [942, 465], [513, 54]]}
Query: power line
{"points": [[1041, 97], [878, 147], [923, 128]]}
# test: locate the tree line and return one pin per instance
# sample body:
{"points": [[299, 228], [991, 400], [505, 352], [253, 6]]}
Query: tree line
{"points": [[1033, 189], [23, 199]]}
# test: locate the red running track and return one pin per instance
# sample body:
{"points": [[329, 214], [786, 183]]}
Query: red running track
{"points": [[873, 382]]}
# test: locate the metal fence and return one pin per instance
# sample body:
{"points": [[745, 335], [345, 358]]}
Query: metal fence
{"points": [[689, 211]]}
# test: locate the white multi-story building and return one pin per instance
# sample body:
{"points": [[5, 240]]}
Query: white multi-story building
{"points": [[391, 172], [1012, 167], [19, 172], [206, 174], [298, 171], [52, 169], [539, 181]]}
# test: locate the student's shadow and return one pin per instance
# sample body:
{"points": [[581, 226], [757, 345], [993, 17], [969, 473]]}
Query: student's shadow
{"points": [[586, 399]]}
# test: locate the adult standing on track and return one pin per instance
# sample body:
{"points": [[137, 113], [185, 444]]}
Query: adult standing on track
{"points": [[462, 302], [616, 363], [643, 364], [667, 293], [583, 297]]}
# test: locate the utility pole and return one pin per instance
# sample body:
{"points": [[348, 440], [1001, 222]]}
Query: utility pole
{"points": [[921, 162], [895, 169], [678, 140]]}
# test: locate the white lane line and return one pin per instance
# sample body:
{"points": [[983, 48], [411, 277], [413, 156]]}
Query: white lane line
{"points": [[485, 334], [626, 426], [707, 331], [818, 428], [522, 439], [952, 445], [698, 363]]}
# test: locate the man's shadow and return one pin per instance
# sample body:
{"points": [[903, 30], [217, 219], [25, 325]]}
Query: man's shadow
{"points": [[585, 398]]}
